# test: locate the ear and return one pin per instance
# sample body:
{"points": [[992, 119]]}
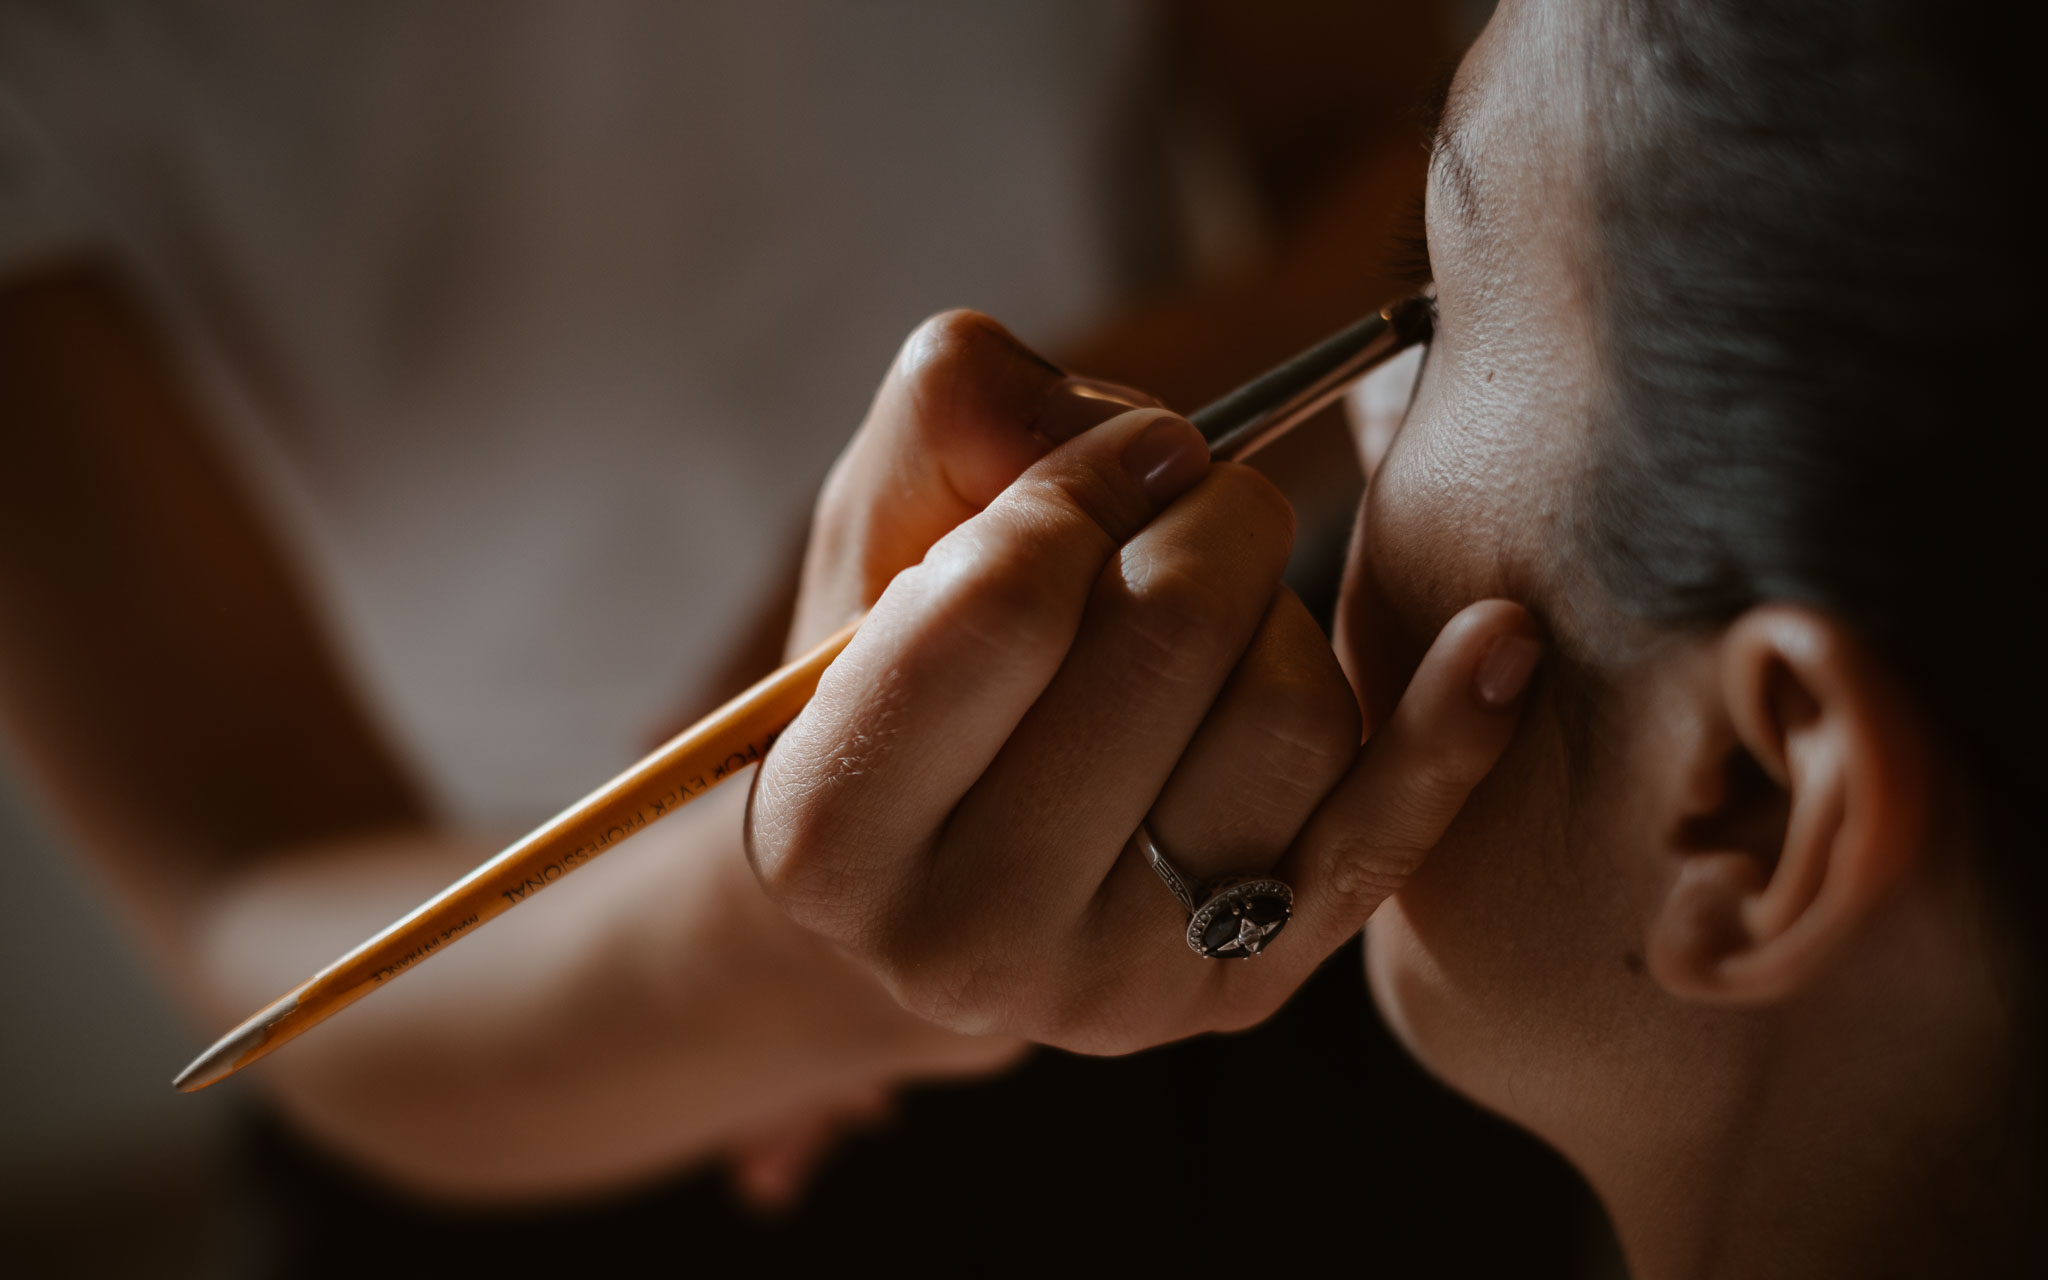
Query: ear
{"points": [[1807, 801]]}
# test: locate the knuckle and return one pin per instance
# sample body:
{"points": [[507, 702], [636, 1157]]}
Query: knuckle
{"points": [[937, 998], [776, 838], [942, 346], [945, 367], [1174, 618], [1435, 783], [808, 832], [958, 988], [999, 605], [796, 865], [1086, 504], [1360, 879]]}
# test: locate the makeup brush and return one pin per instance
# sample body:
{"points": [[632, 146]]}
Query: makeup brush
{"points": [[724, 743]]}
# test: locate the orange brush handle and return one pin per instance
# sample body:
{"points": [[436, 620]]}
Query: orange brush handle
{"points": [[717, 747]]}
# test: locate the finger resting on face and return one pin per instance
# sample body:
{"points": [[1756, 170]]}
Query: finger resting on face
{"points": [[1407, 786]]}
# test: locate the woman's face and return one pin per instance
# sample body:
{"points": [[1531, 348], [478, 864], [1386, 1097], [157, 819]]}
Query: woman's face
{"points": [[1511, 964]]}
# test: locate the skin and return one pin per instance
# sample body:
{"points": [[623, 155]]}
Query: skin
{"points": [[1079, 632], [253, 790], [1710, 928], [768, 1052], [195, 731], [1759, 1016], [1704, 916]]}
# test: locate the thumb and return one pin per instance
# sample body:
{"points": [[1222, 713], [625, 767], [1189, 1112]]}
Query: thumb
{"points": [[964, 410]]}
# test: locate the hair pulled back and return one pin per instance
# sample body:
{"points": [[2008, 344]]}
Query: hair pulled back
{"points": [[1818, 289], [1816, 273]]}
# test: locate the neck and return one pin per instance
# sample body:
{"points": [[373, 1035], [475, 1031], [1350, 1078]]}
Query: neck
{"points": [[1862, 1130]]}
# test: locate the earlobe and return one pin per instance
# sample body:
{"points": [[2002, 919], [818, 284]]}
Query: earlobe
{"points": [[1820, 812]]}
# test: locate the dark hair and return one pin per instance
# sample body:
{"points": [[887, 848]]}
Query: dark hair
{"points": [[1819, 291]]}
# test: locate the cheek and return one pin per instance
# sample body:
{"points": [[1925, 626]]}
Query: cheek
{"points": [[1492, 963]]}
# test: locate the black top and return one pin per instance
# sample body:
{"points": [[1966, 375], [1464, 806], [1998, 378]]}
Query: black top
{"points": [[1309, 1146]]}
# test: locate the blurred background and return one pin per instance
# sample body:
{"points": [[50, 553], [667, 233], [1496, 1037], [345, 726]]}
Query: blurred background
{"points": [[104, 1171], [1172, 195]]}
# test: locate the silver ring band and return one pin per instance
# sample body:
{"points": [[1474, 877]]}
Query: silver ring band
{"points": [[1232, 918], [1176, 883]]}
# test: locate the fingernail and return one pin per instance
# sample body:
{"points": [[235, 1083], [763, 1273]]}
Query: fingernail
{"points": [[1166, 458], [1505, 670], [1077, 404]]}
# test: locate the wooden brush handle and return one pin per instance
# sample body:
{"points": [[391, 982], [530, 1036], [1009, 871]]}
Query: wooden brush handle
{"points": [[707, 753]]}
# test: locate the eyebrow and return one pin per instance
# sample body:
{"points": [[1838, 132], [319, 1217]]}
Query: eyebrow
{"points": [[1446, 117]]}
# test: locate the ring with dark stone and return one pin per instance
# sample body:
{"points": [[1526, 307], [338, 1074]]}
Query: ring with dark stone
{"points": [[1241, 918], [1233, 918]]}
